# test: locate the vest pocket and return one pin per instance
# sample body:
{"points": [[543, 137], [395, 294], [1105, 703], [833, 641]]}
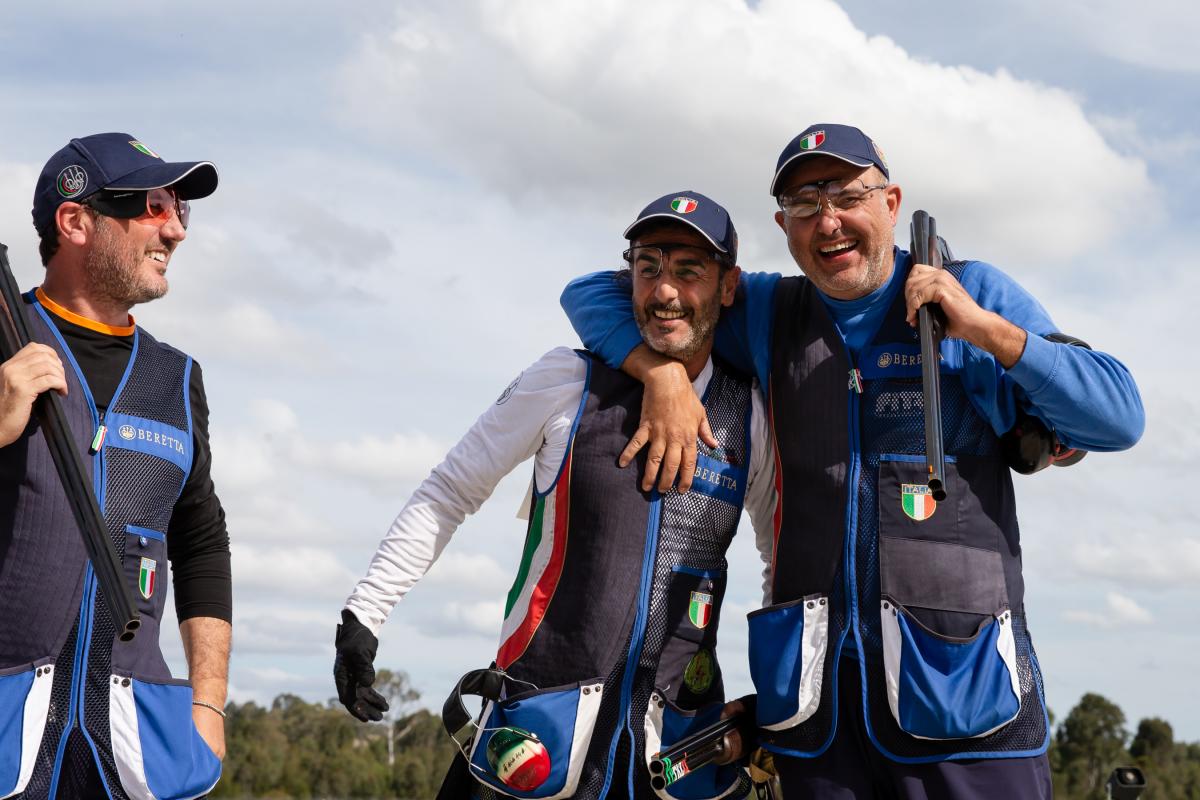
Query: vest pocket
{"points": [[666, 724], [948, 649], [688, 662], [24, 702], [788, 642], [158, 751], [562, 718], [145, 565]]}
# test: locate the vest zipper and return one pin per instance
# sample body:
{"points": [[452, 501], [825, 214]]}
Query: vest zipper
{"points": [[636, 640]]}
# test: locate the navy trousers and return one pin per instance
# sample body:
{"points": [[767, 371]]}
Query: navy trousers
{"points": [[852, 769]]}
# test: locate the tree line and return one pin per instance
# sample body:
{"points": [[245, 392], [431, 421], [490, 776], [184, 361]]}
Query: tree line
{"points": [[297, 749]]}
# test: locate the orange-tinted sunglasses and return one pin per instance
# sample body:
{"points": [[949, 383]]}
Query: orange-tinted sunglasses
{"points": [[156, 204]]}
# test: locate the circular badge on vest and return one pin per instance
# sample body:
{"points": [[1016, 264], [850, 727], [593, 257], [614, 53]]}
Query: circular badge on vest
{"points": [[698, 676], [127, 432], [885, 360], [518, 759]]}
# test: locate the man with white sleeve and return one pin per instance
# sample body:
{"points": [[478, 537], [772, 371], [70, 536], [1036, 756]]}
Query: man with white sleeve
{"points": [[609, 635]]}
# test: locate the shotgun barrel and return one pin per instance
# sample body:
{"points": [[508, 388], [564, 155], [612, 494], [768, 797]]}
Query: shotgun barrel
{"points": [[931, 325], [71, 471]]}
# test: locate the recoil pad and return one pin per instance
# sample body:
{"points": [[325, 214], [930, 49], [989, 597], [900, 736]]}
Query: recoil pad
{"points": [[1030, 446]]}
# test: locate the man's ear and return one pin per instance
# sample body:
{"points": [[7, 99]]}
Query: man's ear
{"points": [[779, 221], [75, 223], [893, 194], [729, 284]]}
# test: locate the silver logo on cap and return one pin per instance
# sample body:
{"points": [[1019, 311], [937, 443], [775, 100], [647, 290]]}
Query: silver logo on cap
{"points": [[72, 181]]}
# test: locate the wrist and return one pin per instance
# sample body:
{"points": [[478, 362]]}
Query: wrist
{"points": [[210, 707], [1001, 338], [644, 364]]}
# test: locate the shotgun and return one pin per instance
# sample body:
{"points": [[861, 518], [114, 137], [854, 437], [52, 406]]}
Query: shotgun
{"points": [[71, 471], [701, 748], [931, 323]]}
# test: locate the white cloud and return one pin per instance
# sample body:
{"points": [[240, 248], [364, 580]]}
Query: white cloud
{"points": [[1144, 558], [589, 96], [1160, 34], [311, 573], [473, 573], [482, 618], [1121, 612]]}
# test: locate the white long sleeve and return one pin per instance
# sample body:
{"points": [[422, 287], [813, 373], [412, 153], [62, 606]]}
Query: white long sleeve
{"points": [[533, 417]]}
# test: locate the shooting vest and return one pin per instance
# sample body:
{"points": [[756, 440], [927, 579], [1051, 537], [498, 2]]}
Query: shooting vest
{"points": [[612, 620], [931, 592], [62, 669]]}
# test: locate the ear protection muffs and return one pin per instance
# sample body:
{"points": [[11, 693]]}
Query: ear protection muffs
{"points": [[517, 757], [1030, 446]]}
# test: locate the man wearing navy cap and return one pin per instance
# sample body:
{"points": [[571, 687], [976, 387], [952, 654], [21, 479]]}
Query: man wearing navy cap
{"points": [[88, 715], [911, 672], [610, 627]]}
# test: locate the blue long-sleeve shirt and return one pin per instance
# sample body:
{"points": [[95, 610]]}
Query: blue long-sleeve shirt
{"points": [[1087, 397]]}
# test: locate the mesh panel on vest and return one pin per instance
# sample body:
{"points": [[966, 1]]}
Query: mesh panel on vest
{"points": [[145, 498], [157, 366]]}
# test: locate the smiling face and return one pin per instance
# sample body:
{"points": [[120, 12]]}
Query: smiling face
{"points": [[126, 262], [846, 254], [677, 303]]}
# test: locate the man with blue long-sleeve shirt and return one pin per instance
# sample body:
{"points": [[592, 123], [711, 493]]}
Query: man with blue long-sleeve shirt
{"points": [[893, 658]]}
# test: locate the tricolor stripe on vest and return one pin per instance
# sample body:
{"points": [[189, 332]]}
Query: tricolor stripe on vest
{"points": [[541, 567]]}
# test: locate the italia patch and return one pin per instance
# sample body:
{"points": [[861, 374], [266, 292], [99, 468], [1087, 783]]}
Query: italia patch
{"points": [[700, 609], [72, 181], [917, 501], [813, 140], [684, 205], [698, 676], [141, 148], [146, 576]]}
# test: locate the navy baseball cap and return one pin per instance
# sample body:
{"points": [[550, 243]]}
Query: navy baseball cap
{"points": [[113, 161], [694, 209], [842, 142]]}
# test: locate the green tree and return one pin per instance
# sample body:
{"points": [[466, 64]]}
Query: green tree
{"points": [[1090, 742]]}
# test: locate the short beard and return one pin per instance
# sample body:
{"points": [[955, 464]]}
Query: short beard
{"points": [[111, 270], [874, 277], [703, 323]]}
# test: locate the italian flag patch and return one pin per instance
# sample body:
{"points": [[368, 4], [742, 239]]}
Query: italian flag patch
{"points": [[917, 501], [813, 140], [700, 609], [146, 573], [683, 205]]}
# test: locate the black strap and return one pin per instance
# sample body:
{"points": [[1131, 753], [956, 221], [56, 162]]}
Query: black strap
{"points": [[460, 723]]}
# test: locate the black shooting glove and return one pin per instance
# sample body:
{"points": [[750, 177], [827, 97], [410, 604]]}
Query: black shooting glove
{"points": [[354, 669]]}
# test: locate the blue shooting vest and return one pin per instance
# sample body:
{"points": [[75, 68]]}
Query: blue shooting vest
{"points": [[612, 620], [931, 593], [62, 669]]}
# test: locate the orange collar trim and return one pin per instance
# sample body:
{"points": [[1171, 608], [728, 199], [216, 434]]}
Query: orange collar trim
{"points": [[84, 322]]}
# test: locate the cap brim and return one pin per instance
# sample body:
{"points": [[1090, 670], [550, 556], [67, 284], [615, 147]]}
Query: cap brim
{"points": [[784, 167], [629, 231], [191, 180]]}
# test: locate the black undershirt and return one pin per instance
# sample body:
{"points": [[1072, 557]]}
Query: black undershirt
{"points": [[197, 541]]}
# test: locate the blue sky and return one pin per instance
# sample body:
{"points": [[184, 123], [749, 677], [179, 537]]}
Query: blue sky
{"points": [[405, 187]]}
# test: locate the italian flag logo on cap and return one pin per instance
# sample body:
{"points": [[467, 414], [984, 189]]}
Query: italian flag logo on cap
{"points": [[146, 575], [917, 501], [683, 205], [813, 140], [141, 148], [700, 609]]}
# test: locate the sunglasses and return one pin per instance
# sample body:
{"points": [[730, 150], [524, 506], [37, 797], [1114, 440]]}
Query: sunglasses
{"points": [[155, 204]]}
